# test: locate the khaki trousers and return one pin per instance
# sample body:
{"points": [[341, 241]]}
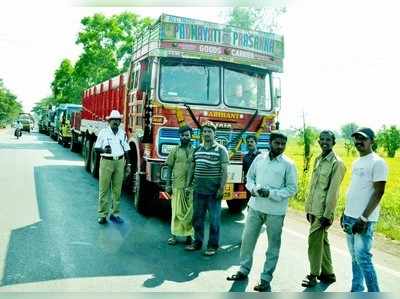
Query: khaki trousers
{"points": [[111, 175], [319, 252]]}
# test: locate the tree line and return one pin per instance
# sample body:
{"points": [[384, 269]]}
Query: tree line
{"points": [[9, 106]]}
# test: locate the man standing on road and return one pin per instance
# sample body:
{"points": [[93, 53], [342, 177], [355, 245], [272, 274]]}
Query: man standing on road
{"points": [[209, 174], [251, 142], [327, 175], [113, 147], [178, 162], [271, 179], [368, 179]]}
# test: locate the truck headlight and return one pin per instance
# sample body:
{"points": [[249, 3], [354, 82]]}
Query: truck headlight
{"points": [[167, 148]]}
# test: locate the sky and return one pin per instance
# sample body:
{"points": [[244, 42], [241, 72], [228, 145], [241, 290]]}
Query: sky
{"points": [[340, 66]]}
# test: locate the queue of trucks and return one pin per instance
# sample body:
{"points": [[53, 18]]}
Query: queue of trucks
{"points": [[182, 71]]}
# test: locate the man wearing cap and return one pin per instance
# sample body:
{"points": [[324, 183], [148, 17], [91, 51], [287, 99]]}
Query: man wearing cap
{"points": [[209, 174], [327, 175], [112, 146], [271, 179], [368, 179]]}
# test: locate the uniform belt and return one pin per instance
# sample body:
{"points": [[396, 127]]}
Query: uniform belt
{"points": [[113, 158]]}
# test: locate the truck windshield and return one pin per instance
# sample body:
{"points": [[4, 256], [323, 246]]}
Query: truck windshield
{"points": [[248, 90], [190, 83]]}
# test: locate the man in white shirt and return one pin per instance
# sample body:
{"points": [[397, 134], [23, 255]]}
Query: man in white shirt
{"points": [[112, 146], [271, 179], [368, 180]]}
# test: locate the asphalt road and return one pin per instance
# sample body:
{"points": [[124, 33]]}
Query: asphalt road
{"points": [[50, 240]]}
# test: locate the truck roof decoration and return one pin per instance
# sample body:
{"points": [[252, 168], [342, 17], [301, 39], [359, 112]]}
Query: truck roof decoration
{"points": [[173, 36]]}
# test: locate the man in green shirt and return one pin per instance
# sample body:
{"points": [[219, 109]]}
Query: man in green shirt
{"points": [[328, 173], [179, 161]]}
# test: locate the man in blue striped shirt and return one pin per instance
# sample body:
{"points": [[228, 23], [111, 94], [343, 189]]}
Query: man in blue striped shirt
{"points": [[271, 180], [209, 175]]}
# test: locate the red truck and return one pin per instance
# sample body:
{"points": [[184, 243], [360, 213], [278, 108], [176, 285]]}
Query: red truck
{"points": [[186, 71]]}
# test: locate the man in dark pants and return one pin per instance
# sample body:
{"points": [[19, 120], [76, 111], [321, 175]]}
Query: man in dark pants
{"points": [[327, 175], [251, 142], [209, 174]]}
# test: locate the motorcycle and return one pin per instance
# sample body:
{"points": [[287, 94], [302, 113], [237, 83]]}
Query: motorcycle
{"points": [[18, 133]]}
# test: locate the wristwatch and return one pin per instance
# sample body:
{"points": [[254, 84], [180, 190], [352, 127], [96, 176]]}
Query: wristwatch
{"points": [[363, 218]]}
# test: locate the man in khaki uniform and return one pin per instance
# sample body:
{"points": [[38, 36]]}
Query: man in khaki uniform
{"points": [[328, 173], [113, 146]]}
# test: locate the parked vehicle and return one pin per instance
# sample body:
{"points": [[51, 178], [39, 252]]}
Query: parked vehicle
{"points": [[185, 71], [63, 122]]}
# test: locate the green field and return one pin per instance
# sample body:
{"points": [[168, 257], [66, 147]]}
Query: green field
{"points": [[389, 222]]}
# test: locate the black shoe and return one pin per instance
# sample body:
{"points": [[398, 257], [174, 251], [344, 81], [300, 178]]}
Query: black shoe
{"points": [[263, 286], [237, 277], [310, 281], [327, 278], [188, 240], [102, 220], [116, 219]]}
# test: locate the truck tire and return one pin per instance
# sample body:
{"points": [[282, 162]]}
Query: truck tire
{"points": [[86, 154], [236, 205], [144, 195], [74, 146], [94, 163]]}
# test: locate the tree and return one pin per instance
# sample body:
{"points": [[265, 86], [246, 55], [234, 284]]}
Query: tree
{"points": [[44, 104], [107, 48], [107, 45], [63, 83], [9, 106], [389, 139], [264, 19], [347, 130], [306, 137]]}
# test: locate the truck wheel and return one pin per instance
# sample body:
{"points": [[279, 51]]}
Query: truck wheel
{"points": [[236, 205], [144, 194], [86, 154], [94, 163], [73, 145]]}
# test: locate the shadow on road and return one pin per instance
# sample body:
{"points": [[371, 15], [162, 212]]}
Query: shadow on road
{"points": [[69, 243], [320, 287]]}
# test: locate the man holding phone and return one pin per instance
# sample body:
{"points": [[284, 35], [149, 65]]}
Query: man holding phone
{"points": [[271, 180]]}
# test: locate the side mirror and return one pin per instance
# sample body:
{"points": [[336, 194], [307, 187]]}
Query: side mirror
{"points": [[276, 94]]}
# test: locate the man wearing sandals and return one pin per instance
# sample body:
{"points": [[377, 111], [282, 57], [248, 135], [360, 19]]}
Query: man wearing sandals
{"points": [[179, 161], [209, 174], [271, 179], [327, 175]]}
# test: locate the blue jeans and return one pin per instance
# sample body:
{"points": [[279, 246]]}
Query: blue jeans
{"points": [[201, 204], [254, 221], [361, 258]]}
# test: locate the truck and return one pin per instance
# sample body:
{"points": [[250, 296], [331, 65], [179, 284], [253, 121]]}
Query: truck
{"points": [[27, 121], [187, 71], [63, 122]]}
